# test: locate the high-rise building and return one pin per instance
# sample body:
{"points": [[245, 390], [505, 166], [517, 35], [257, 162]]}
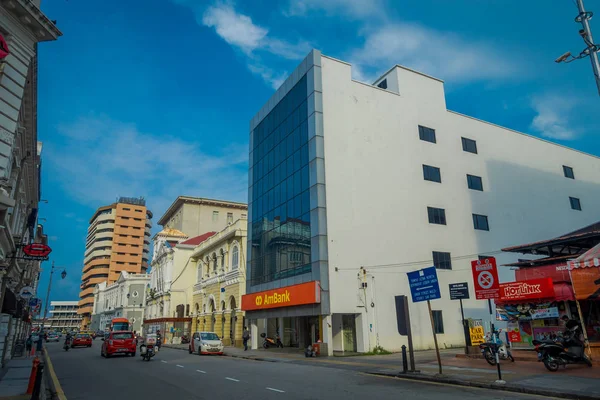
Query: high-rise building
{"points": [[352, 185], [118, 240], [63, 316]]}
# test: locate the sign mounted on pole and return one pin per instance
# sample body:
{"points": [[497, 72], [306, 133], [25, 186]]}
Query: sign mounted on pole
{"points": [[459, 291], [26, 293], [424, 285], [485, 279]]}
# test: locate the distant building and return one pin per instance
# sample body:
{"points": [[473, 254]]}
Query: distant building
{"points": [[195, 216], [124, 298], [118, 240], [63, 315]]}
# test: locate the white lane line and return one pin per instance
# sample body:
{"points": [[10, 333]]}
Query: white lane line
{"points": [[276, 390], [202, 372], [231, 379], [163, 361], [180, 366]]}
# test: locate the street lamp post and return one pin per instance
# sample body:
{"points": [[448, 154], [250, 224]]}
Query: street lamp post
{"points": [[63, 276]]}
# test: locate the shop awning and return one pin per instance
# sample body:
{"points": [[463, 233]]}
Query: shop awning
{"points": [[590, 258], [563, 291]]}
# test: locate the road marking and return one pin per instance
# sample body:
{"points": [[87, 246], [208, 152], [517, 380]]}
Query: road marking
{"points": [[276, 390], [180, 366], [163, 361], [202, 372], [231, 379]]}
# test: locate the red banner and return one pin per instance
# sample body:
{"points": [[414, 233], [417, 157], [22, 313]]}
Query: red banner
{"points": [[527, 290], [558, 273], [485, 278], [514, 336], [3, 48]]}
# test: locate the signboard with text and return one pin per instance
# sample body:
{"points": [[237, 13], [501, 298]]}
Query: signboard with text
{"points": [[459, 291], [477, 335], [485, 278], [514, 336], [295, 295], [542, 313], [533, 289], [424, 285]]}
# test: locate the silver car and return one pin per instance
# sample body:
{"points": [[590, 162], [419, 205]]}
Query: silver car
{"points": [[206, 343], [52, 338]]}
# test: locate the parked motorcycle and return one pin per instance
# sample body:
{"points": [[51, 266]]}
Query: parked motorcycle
{"points": [[185, 339], [147, 351], [568, 350], [495, 345], [270, 342]]}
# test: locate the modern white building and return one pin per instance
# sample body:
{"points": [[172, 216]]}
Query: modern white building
{"points": [[385, 177], [63, 316], [125, 298]]}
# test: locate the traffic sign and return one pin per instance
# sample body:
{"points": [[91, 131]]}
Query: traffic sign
{"points": [[459, 291], [424, 285], [485, 279], [34, 301]]}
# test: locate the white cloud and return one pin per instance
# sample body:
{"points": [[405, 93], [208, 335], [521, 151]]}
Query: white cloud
{"points": [[441, 54], [253, 40], [351, 8], [552, 118], [122, 161]]}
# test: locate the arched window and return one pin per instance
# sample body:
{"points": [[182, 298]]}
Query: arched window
{"points": [[235, 258]]}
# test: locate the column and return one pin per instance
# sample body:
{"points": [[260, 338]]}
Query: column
{"points": [[194, 325], [327, 334], [239, 328], [218, 316], [202, 322], [227, 328], [254, 334]]}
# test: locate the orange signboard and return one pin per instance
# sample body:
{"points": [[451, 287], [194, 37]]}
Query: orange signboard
{"points": [[586, 282], [295, 295]]}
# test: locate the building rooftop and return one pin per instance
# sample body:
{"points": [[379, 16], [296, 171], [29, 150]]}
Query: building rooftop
{"points": [[181, 200], [195, 241], [170, 232]]}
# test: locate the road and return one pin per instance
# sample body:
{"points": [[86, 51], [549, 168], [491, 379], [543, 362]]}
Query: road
{"points": [[177, 375]]}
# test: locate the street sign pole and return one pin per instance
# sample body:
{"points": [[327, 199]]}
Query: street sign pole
{"points": [[462, 314], [437, 349], [411, 351]]}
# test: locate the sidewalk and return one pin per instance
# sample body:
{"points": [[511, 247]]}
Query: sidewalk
{"points": [[574, 381], [15, 378]]}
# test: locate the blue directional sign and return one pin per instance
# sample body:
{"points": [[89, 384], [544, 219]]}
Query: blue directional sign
{"points": [[424, 285], [34, 302]]}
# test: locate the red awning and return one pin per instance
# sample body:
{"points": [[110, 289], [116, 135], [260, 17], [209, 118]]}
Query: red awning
{"points": [[563, 291]]}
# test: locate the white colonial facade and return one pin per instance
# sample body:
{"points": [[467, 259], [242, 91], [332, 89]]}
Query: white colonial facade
{"points": [[63, 316], [390, 180], [22, 27], [125, 298]]}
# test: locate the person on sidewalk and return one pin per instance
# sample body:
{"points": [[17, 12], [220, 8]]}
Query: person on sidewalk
{"points": [[246, 337], [28, 345]]}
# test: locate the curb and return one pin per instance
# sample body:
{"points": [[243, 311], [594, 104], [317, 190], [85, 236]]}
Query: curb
{"points": [[483, 385], [480, 357], [55, 384], [258, 358]]}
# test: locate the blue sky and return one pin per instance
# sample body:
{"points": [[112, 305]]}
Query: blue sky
{"points": [[153, 98]]}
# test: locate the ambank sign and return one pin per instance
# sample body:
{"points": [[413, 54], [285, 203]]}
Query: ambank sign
{"points": [[304, 293]]}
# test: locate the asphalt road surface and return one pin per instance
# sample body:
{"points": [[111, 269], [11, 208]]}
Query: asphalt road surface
{"points": [[177, 375]]}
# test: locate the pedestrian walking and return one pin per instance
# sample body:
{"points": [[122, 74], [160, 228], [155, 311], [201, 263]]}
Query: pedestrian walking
{"points": [[28, 345], [246, 337]]}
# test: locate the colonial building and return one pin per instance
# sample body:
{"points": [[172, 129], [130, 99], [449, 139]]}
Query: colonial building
{"points": [[195, 216], [22, 27], [220, 283], [124, 298]]}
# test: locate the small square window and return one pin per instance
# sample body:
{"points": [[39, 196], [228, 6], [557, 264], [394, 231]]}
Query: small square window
{"points": [[382, 84], [469, 145], [480, 222], [442, 260], [427, 134], [438, 321], [432, 173], [436, 215], [474, 182], [575, 203], [568, 171]]}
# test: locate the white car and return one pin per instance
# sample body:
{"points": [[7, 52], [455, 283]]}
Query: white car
{"points": [[52, 338], [206, 343]]}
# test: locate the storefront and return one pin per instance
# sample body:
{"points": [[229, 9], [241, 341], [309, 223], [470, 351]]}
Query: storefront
{"points": [[290, 312]]}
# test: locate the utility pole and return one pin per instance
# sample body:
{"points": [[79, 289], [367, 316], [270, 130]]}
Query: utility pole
{"points": [[591, 49]]}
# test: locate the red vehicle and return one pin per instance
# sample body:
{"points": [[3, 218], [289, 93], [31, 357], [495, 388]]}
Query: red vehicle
{"points": [[82, 340], [118, 343]]}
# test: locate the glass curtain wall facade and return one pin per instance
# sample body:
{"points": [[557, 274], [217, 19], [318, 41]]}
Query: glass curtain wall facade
{"points": [[280, 245]]}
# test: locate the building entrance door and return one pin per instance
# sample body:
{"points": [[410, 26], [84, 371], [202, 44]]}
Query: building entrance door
{"points": [[349, 332]]}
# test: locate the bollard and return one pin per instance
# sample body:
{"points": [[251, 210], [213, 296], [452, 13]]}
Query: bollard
{"points": [[38, 383], [32, 376], [404, 360]]}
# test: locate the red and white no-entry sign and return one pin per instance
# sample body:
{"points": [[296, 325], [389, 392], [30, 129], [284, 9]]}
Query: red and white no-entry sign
{"points": [[485, 279]]}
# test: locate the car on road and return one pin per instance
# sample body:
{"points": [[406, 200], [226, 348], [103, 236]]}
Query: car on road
{"points": [[82, 340], [52, 337], [206, 343], [118, 343]]}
